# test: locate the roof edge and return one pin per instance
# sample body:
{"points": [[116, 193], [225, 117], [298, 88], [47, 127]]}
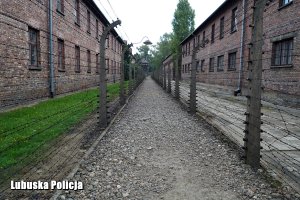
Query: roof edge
{"points": [[225, 3]]}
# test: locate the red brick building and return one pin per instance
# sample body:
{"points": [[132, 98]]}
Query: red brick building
{"points": [[24, 48], [223, 61], [168, 68]]}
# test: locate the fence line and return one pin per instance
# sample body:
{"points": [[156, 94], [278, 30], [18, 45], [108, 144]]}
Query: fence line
{"points": [[279, 147]]}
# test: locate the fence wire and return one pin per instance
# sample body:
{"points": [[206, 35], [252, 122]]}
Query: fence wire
{"points": [[280, 153]]}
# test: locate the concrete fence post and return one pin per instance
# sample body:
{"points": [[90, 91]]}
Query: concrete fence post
{"points": [[161, 76], [130, 89], [193, 89], [165, 78], [253, 114], [122, 91], [177, 65], [169, 79], [102, 75]]}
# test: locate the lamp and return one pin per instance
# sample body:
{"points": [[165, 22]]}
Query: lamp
{"points": [[148, 42]]}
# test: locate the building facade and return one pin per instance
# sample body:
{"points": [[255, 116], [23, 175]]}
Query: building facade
{"points": [[223, 58], [168, 72], [25, 48]]}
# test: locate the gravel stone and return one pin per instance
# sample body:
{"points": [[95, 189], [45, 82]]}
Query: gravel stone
{"points": [[156, 150]]}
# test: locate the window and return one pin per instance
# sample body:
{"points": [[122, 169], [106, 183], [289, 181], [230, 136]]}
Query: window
{"points": [[60, 6], [186, 51], [107, 65], [61, 55], [97, 63], [111, 41], [198, 39], [77, 59], [202, 65], [88, 21], [197, 66], [221, 27], [211, 64], [112, 67], [77, 12], [97, 28], [189, 49], [220, 64], [284, 2], [117, 67], [282, 52], [212, 33], [88, 54], [234, 20], [203, 38], [33, 48], [107, 42], [231, 61]]}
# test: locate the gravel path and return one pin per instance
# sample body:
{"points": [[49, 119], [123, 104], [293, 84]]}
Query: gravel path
{"points": [[156, 150]]}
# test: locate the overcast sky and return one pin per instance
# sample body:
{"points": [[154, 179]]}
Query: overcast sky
{"points": [[151, 18]]}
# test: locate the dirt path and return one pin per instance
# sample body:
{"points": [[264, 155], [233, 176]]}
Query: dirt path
{"points": [[156, 150]]}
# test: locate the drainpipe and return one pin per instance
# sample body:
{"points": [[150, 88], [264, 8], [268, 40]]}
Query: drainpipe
{"points": [[239, 89], [51, 65]]}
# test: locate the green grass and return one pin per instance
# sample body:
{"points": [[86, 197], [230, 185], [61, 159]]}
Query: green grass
{"points": [[27, 130]]}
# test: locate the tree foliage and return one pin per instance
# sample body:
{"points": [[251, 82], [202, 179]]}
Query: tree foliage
{"points": [[144, 51], [162, 49], [183, 24]]}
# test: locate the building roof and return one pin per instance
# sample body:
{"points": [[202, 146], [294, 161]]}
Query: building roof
{"points": [[167, 57], [95, 9], [219, 10]]}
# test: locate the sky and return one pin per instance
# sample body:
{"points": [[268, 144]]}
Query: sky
{"points": [[150, 18]]}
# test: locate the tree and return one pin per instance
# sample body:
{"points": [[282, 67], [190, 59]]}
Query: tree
{"points": [[127, 61], [184, 21], [144, 51], [183, 24], [161, 50]]}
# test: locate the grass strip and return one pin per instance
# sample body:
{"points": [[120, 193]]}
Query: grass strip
{"points": [[23, 130]]}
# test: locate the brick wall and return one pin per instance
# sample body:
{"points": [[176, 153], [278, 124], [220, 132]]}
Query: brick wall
{"points": [[18, 82], [281, 82]]}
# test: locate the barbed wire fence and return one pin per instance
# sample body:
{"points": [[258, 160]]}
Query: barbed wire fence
{"points": [[52, 141], [275, 144]]}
